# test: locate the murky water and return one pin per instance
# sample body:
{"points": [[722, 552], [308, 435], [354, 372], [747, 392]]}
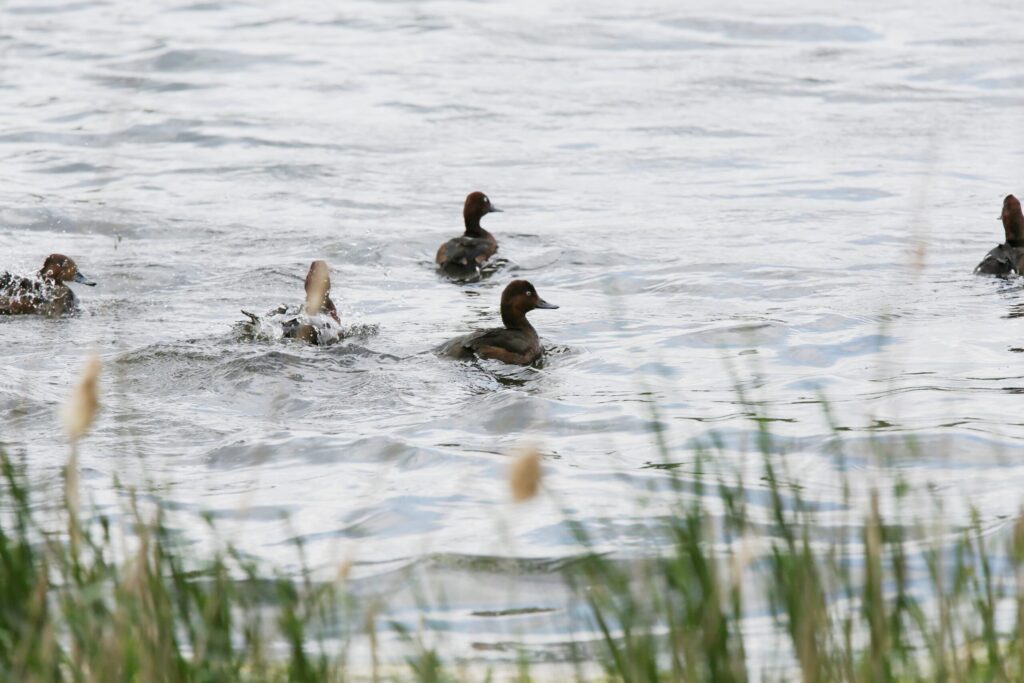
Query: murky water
{"points": [[778, 196]]}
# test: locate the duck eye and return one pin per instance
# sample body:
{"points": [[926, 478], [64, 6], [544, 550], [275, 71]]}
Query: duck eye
{"points": [[486, 200]]}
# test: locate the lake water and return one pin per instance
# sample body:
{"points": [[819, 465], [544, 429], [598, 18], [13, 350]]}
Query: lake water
{"points": [[786, 197]]}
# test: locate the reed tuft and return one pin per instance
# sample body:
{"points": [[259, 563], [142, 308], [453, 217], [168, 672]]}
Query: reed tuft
{"points": [[84, 403], [524, 475]]}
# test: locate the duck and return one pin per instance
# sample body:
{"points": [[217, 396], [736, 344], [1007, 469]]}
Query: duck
{"points": [[1005, 259], [45, 294], [316, 321], [517, 342], [461, 258]]}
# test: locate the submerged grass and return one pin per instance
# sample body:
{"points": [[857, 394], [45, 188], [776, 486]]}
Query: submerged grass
{"points": [[92, 600]]}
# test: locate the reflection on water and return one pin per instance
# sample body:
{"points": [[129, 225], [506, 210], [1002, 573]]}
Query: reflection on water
{"points": [[722, 199]]}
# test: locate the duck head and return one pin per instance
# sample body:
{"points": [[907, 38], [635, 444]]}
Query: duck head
{"points": [[1013, 221], [518, 299], [476, 207], [60, 268]]}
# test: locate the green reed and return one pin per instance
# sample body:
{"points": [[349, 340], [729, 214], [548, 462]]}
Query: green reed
{"points": [[93, 599], [847, 602]]}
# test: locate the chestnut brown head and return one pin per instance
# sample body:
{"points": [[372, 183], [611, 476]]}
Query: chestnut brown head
{"points": [[518, 299], [476, 207], [60, 268], [1013, 219]]}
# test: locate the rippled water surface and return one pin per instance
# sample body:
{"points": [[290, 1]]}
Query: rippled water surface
{"points": [[770, 195]]}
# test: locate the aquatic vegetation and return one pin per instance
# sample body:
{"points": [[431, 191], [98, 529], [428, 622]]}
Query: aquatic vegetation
{"points": [[524, 475], [97, 598], [84, 402]]}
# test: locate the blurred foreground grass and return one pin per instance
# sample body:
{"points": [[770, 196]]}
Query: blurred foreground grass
{"points": [[862, 602]]}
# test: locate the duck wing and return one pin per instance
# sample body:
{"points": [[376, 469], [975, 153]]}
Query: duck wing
{"points": [[22, 295], [19, 295], [463, 256], [520, 347], [1002, 260]]}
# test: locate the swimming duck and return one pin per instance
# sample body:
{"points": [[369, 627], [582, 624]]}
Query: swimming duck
{"points": [[462, 257], [1005, 259], [317, 320], [517, 342], [46, 293]]}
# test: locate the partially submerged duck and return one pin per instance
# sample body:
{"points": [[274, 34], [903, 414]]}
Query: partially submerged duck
{"points": [[462, 258], [517, 342], [316, 321], [45, 294], [1005, 259]]}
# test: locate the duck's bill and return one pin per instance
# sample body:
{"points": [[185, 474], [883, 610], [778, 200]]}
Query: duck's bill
{"points": [[83, 280], [494, 209], [545, 304]]}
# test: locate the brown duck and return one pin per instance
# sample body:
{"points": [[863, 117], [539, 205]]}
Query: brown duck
{"points": [[1005, 259], [517, 342], [45, 294], [318, 302], [461, 258]]}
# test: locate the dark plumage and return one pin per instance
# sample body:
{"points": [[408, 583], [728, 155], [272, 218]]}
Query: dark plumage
{"points": [[318, 302], [462, 257], [517, 342], [46, 293], [1005, 259]]}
